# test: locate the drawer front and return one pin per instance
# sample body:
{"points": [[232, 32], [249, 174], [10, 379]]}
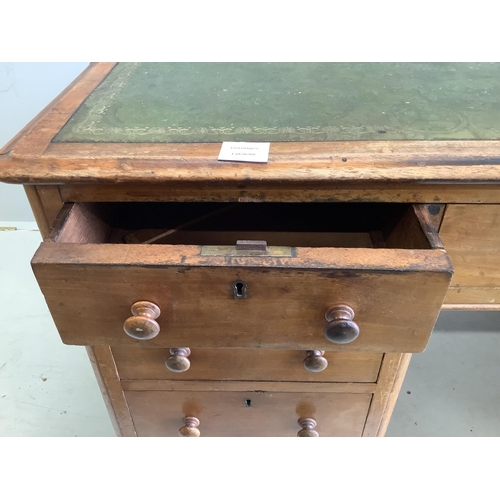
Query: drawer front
{"points": [[246, 364], [393, 295], [240, 414], [286, 308], [471, 234]]}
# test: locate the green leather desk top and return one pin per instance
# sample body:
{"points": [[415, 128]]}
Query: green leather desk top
{"points": [[279, 102]]}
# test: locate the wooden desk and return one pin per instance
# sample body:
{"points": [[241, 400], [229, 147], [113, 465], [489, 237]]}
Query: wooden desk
{"points": [[382, 179]]}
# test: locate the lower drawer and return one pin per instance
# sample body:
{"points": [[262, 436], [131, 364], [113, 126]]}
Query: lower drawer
{"points": [[246, 364], [252, 414]]}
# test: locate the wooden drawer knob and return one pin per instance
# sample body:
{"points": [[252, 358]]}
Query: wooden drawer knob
{"points": [[179, 361], [308, 425], [142, 325], [341, 328], [315, 362], [190, 428]]}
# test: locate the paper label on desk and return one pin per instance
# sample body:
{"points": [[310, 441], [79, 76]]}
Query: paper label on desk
{"points": [[255, 152]]}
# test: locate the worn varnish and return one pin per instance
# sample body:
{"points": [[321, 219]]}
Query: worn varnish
{"points": [[291, 293], [471, 234], [246, 364], [312, 192], [247, 413], [394, 275], [415, 163]]}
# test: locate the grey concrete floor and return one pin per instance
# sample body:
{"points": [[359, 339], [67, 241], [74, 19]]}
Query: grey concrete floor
{"points": [[49, 389], [453, 387], [46, 387]]}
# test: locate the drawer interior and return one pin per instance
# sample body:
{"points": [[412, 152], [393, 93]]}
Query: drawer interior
{"points": [[352, 225], [395, 289]]}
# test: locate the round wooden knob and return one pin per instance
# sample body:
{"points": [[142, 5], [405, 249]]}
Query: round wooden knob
{"points": [[308, 425], [179, 361], [190, 428], [142, 325], [315, 362], [341, 329]]}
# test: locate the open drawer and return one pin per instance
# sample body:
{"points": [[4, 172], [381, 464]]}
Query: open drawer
{"points": [[357, 277]]}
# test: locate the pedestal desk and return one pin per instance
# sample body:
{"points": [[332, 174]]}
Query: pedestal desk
{"points": [[262, 299]]}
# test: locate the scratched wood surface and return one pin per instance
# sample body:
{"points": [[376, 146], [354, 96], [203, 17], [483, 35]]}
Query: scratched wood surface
{"points": [[396, 293], [246, 364], [405, 171], [247, 414], [414, 162], [391, 376], [395, 307], [254, 191], [33, 158], [107, 377]]}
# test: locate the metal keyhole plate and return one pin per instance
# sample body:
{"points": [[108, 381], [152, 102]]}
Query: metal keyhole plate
{"points": [[239, 289]]}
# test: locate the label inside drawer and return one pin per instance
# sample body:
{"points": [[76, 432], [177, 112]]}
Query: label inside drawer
{"points": [[231, 250]]}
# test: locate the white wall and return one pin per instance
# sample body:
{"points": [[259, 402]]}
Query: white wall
{"points": [[25, 89]]}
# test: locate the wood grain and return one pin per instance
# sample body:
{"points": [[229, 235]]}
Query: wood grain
{"points": [[248, 414], [38, 210], [473, 295], [393, 394], [246, 364], [396, 306], [435, 214], [79, 224], [471, 235], [242, 386], [448, 162], [51, 200], [470, 307], [369, 191], [320, 259], [412, 231], [391, 376], [396, 293], [109, 383]]}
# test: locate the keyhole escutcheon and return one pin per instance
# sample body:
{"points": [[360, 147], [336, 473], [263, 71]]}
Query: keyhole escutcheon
{"points": [[239, 289]]}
